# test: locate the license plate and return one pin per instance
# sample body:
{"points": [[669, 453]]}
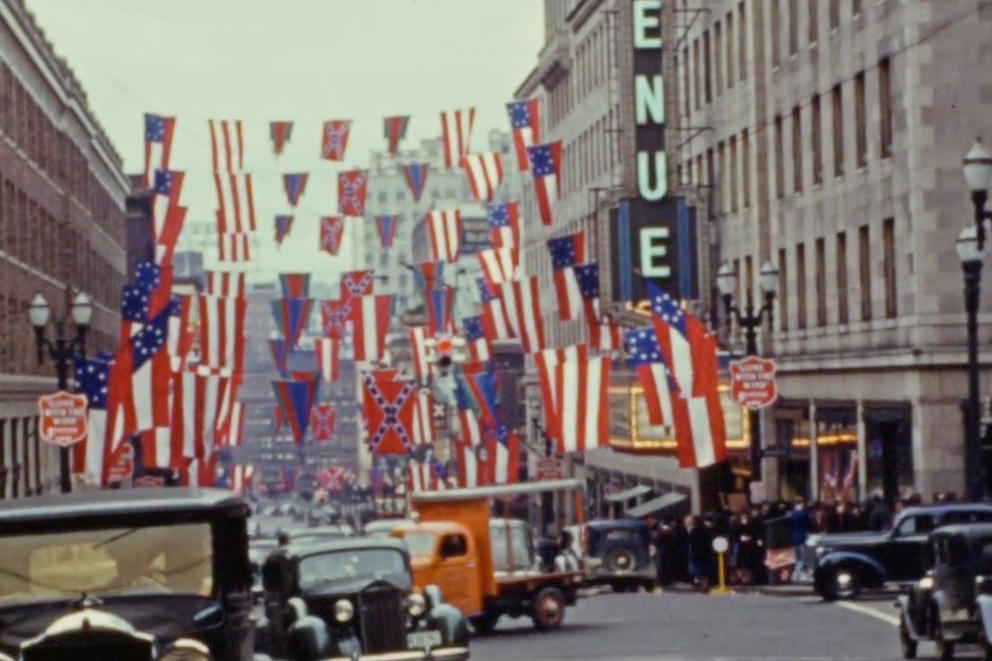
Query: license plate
{"points": [[423, 639]]}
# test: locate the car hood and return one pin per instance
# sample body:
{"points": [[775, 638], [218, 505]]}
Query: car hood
{"points": [[846, 539], [346, 587], [164, 617]]}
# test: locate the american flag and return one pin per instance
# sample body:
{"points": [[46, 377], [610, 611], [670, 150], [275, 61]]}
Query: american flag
{"points": [[603, 335], [93, 379], [456, 134], [645, 355], [679, 336], [158, 143], [504, 224], [583, 403], [546, 164], [525, 120], [166, 219], [546, 362], [423, 418], [470, 473], [445, 229], [522, 300], [504, 455], [335, 140], [418, 347], [567, 252], [495, 316], [499, 264], [475, 337], [222, 328], [484, 173]]}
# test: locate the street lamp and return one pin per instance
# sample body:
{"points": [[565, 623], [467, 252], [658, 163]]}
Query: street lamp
{"points": [[970, 253], [62, 351], [977, 166], [750, 320]]}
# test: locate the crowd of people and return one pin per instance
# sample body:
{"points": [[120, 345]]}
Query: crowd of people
{"points": [[683, 548]]}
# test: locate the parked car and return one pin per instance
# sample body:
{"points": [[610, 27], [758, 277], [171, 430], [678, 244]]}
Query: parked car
{"points": [[616, 552], [844, 564], [952, 603], [137, 574], [355, 597]]}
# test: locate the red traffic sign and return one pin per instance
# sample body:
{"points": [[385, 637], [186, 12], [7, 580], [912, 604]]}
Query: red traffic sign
{"points": [[752, 382], [550, 468], [121, 464], [63, 418]]}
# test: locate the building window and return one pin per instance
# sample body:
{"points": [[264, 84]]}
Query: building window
{"points": [[685, 80], [812, 24], [838, 107], [710, 170], [730, 49], [793, 7], [889, 267], [696, 68], [748, 278], [783, 290], [860, 120], [779, 164], [864, 264], [834, 14], [821, 283], [855, 7], [797, 151], [885, 109], [718, 57], [742, 38], [776, 35], [800, 286], [817, 140], [707, 68], [733, 173], [842, 278], [746, 168]]}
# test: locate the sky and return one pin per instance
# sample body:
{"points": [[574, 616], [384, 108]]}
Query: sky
{"points": [[301, 60]]}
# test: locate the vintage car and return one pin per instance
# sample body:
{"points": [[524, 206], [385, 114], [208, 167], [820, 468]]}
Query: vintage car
{"points": [[952, 603], [616, 552], [383, 527], [354, 597], [846, 563], [156, 574]]}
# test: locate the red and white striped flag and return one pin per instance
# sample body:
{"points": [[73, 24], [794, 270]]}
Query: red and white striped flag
{"points": [[423, 418], [470, 471], [499, 264], [226, 145], [547, 362], [522, 300], [222, 327], [418, 349], [584, 413], [456, 134], [234, 247], [159, 130], [327, 351], [545, 165], [445, 229], [198, 396], [484, 173], [371, 323], [495, 316], [525, 120], [226, 284]]}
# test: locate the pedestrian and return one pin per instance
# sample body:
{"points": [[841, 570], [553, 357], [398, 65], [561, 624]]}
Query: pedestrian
{"points": [[879, 514], [664, 544], [799, 519], [680, 555], [567, 559], [700, 553]]}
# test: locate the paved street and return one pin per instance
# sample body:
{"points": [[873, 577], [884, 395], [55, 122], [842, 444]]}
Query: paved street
{"points": [[677, 625]]}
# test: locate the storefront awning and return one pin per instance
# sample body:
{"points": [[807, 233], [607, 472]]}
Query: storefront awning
{"points": [[627, 494], [656, 505]]}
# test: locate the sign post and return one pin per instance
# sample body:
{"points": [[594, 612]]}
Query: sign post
{"points": [[752, 382], [62, 420], [720, 546]]}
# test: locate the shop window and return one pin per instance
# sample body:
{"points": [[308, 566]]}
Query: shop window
{"points": [[890, 452]]}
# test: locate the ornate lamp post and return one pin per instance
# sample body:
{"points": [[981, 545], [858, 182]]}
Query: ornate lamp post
{"points": [[750, 320], [62, 351]]}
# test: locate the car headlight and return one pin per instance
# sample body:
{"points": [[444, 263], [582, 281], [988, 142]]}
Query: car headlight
{"points": [[186, 649], [926, 583], [820, 550], [416, 604], [343, 610]]}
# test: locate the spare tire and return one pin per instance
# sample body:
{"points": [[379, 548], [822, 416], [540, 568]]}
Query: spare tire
{"points": [[621, 560]]}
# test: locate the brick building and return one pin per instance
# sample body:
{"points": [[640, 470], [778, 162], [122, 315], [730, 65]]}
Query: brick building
{"points": [[62, 211]]}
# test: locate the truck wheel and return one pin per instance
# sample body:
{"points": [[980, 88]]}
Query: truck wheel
{"points": [[619, 587], [549, 609], [906, 641], [483, 624], [621, 559], [841, 583]]}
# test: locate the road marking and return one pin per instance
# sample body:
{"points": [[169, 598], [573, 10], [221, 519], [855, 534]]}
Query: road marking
{"points": [[871, 612]]}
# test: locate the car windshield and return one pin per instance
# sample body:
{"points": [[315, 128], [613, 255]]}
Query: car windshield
{"points": [[372, 564], [168, 559], [421, 544]]}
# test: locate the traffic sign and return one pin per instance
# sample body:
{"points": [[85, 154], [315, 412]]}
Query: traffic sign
{"points": [[122, 464], [752, 382], [550, 468], [63, 418], [720, 544]]}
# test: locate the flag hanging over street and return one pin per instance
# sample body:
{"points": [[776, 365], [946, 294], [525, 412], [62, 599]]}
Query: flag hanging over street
{"points": [[499, 264], [222, 328], [292, 315], [456, 134], [296, 397], [167, 186], [681, 337], [280, 133], [603, 335], [416, 178], [331, 234], [504, 455], [566, 252], [322, 422], [295, 285], [546, 362], [370, 317], [335, 139], [583, 404], [386, 226], [159, 131], [357, 283], [334, 317], [227, 151], [327, 351], [504, 224], [394, 130], [479, 347], [427, 475], [445, 229], [495, 317], [387, 406], [525, 121], [227, 284], [484, 173], [522, 300], [279, 348], [93, 379], [352, 187], [294, 183], [439, 305], [469, 470], [284, 223], [233, 247], [423, 418], [418, 349], [545, 164], [653, 374]]}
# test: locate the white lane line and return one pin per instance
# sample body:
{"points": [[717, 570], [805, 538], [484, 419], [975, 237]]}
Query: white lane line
{"points": [[871, 612]]}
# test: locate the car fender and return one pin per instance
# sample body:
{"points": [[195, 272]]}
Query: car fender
{"points": [[309, 639], [984, 602], [870, 570], [451, 623]]}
